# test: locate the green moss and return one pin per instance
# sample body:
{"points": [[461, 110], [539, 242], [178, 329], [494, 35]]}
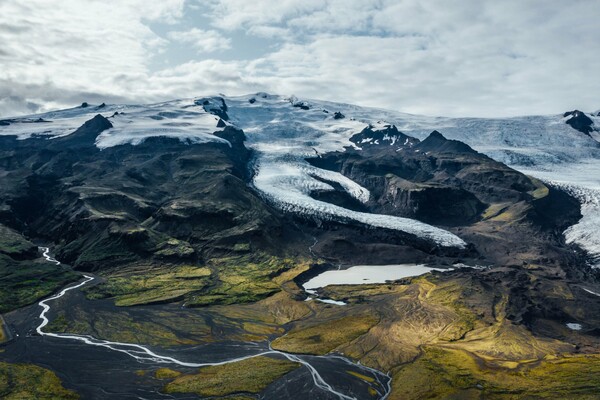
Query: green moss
{"points": [[231, 280], [540, 191], [175, 248], [241, 247], [25, 282], [25, 381], [156, 328], [58, 324], [166, 373], [146, 285], [365, 378], [248, 376], [451, 295], [449, 373], [326, 336], [14, 244], [242, 279], [3, 330]]}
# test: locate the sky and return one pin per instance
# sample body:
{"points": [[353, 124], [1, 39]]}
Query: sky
{"points": [[435, 57]]}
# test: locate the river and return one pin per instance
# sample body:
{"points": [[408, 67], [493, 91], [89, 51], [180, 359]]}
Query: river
{"points": [[100, 369]]}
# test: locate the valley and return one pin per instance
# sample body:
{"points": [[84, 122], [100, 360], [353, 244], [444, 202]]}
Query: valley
{"points": [[177, 241]]}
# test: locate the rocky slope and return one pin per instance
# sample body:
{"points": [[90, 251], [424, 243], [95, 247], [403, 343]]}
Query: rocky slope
{"points": [[228, 204]]}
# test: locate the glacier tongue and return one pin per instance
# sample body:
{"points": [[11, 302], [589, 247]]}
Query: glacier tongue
{"points": [[284, 131], [283, 135], [287, 185]]}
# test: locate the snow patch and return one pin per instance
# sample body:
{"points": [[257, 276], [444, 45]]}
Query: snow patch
{"points": [[574, 327]]}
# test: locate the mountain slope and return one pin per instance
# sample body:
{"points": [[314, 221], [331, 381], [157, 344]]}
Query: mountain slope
{"points": [[227, 205]]}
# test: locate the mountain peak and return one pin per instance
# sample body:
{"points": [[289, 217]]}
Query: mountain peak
{"points": [[383, 135], [579, 121], [436, 135], [86, 134], [436, 142]]}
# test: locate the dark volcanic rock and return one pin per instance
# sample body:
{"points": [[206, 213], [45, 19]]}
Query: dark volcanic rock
{"points": [[434, 203], [303, 105], [388, 136], [338, 115], [215, 106], [84, 104], [579, 121], [436, 142], [85, 135], [130, 203]]}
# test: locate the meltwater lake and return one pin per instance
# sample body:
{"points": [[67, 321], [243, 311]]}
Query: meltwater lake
{"points": [[365, 274]]}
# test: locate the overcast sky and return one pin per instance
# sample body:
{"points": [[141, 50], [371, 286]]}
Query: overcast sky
{"points": [[454, 58]]}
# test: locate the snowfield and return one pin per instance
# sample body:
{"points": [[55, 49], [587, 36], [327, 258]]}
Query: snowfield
{"points": [[284, 131]]}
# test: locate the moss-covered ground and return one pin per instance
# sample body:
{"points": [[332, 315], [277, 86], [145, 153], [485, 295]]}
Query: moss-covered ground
{"points": [[26, 281], [25, 381], [442, 373], [248, 376], [228, 280], [326, 336], [448, 335]]}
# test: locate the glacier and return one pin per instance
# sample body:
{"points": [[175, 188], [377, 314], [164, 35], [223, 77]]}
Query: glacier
{"points": [[284, 131]]}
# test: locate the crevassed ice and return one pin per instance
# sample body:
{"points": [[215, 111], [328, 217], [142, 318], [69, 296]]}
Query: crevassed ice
{"points": [[283, 135], [289, 188], [582, 180]]}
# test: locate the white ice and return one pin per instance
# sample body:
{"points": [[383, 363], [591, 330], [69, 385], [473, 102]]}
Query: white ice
{"points": [[574, 327], [283, 136], [582, 180], [366, 274]]}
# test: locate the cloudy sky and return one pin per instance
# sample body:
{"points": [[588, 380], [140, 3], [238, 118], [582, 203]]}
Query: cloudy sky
{"points": [[446, 57]]}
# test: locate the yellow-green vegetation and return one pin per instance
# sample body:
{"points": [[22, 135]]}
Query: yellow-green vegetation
{"points": [[326, 336], [175, 248], [248, 376], [451, 295], [25, 381], [540, 191], [170, 326], [148, 285], [3, 335], [444, 373], [494, 209], [166, 373], [355, 294], [163, 329], [242, 279], [231, 280], [365, 378], [513, 213]]}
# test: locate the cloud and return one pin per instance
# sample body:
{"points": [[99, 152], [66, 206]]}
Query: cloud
{"points": [[204, 41], [75, 47], [451, 57]]}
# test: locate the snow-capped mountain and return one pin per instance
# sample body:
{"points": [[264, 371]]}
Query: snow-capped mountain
{"points": [[284, 131]]}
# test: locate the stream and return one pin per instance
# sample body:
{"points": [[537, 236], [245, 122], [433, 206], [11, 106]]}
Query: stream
{"points": [[95, 367]]}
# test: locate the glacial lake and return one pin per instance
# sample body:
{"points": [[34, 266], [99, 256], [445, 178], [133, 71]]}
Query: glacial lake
{"points": [[365, 274]]}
